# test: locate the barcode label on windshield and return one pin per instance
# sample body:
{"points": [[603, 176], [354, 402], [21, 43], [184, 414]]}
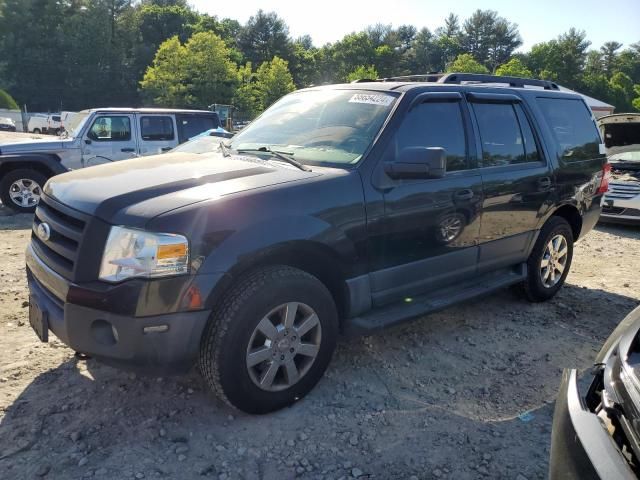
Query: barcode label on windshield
{"points": [[373, 99]]}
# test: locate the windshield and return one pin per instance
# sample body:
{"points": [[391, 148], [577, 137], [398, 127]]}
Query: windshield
{"points": [[76, 123], [319, 126], [200, 144]]}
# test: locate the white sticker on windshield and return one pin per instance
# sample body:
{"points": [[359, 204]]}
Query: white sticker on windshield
{"points": [[602, 150], [373, 99]]}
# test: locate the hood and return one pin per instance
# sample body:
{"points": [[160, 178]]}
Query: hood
{"points": [[621, 133], [132, 192], [24, 143]]}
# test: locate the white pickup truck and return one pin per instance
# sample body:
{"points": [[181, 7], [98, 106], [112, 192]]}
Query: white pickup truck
{"points": [[93, 137]]}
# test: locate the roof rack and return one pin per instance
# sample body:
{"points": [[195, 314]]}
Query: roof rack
{"points": [[458, 78]]}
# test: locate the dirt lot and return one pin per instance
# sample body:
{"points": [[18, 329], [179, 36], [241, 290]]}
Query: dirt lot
{"points": [[465, 393]]}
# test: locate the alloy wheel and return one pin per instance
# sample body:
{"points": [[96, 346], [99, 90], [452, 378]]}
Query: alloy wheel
{"points": [[283, 346], [25, 192], [554, 261]]}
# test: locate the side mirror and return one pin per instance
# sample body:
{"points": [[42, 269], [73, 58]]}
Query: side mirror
{"points": [[418, 162]]}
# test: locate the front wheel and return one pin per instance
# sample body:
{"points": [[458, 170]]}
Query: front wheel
{"points": [[270, 341], [550, 260], [21, 190]]}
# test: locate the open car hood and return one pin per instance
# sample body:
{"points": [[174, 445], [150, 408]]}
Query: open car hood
{"points": [[621, 133]]}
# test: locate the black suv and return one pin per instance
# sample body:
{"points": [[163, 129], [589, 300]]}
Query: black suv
{"points": [[342, 208]]}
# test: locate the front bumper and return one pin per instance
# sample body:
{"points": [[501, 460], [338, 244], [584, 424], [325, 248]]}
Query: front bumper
{"points": [[159, 343], [581, 447]]}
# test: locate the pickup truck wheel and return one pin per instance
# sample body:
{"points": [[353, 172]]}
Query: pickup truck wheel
{"points": [[36, 131], [21, 190], [270, 340], [550, 260]]}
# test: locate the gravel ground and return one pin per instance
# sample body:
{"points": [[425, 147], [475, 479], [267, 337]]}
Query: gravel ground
{"points": [[462, 394]]}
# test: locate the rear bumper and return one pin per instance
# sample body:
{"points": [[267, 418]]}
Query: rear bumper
{"points": [[158, 344], [581, 447]]}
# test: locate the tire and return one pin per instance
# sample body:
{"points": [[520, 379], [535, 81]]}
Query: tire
{"points": [[536, 288], [233, 332], [29, 179], [36, 131]]}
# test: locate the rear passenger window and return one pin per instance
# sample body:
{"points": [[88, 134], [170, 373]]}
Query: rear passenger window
{"points": [[573, 129], [436, 124], [503, 134], [156, 128]]}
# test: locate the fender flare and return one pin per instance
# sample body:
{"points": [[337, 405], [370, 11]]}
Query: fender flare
{"points": [[48, 162]]}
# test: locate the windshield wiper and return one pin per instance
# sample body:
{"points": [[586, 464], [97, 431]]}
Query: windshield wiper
{"points": [[225, 149], [281, 155]]}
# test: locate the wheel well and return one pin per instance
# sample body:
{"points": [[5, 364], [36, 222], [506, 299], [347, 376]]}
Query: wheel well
{"points": [[38, 167], [311, 258], [572, 216]]}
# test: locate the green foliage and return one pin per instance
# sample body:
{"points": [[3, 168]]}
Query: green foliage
{"points": [[490, 39], [264, 36], [636, 101], [7, 101], [74, 54], [273, 80], [363, 73], [514, 68], [195, 74], [465, 63]]}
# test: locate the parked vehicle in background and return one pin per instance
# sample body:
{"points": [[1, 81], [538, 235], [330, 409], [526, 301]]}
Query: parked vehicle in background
{"points": [[7, 125], [206, 142], [347, 207], [621, 133], [596, 434], [54, 124], [38, 123], [93, 137]]}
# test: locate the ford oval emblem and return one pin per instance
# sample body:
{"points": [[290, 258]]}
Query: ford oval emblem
{"points": [[44, 231]]}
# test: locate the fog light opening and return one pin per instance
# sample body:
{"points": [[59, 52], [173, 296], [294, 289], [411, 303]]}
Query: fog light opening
{"points": [[104, 332]]}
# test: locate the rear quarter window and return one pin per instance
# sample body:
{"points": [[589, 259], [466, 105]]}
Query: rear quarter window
{"points": [[572, 127]]}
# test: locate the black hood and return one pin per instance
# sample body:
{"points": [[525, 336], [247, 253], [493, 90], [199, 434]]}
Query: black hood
{"points": [[133, 191]]}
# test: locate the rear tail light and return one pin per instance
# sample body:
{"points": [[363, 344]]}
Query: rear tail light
{"points": [[604, 181]]}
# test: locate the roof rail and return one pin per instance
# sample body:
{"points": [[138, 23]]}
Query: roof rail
{"points": [[425, 77], [458, 78]]}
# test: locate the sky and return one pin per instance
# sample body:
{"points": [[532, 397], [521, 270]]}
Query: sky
{"points": [[539, 20]]}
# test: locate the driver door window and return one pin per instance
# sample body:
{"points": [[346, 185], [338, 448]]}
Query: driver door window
{"points": [[436, 124], [110, 129]]}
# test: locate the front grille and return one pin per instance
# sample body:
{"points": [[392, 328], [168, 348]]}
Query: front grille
{"points": [[60, 251], [623, 190]]}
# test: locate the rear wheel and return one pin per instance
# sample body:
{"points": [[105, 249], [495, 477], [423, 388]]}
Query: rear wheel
{"points": [[270, 341], [36, 131], [550, 260], [21, 189]]}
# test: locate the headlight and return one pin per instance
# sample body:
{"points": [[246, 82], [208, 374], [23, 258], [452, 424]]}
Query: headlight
{"points": [[136, 253]]}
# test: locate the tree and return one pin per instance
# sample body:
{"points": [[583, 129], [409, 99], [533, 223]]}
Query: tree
{"points": [[514, 68], [347, 54], [195, 74], [636, 101], [7, 101], [273, 80], [609, 56], [264, 36], [465, 63], [562, 59], [490, 39], [363, 72]]}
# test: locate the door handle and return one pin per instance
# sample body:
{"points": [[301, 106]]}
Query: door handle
{"points": [[127, 149], [544, 183], [464, 194]]}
